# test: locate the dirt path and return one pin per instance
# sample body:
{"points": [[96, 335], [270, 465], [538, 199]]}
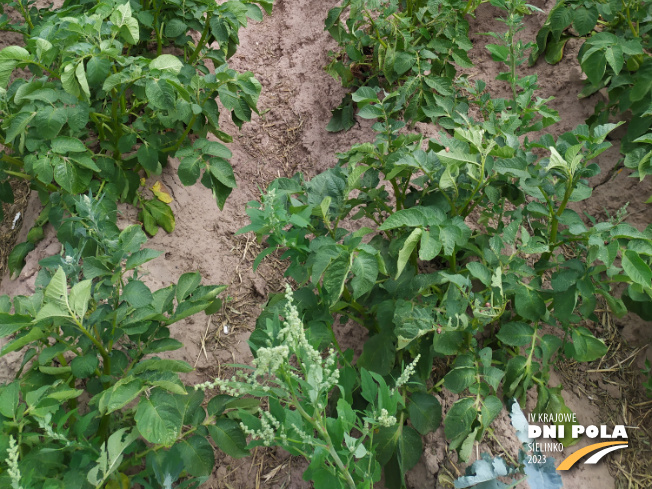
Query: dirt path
{"points": [[287, 53]]}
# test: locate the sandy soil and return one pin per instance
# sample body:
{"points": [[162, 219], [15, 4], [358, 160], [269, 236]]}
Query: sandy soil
{"points": [[287, 53]]}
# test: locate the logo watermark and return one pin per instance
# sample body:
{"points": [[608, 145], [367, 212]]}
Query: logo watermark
{"points": [[564, 425]]}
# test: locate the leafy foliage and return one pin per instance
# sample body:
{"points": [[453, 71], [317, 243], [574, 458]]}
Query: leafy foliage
{"points": [[313, 412], [461, 249], [90, 391], [414, 44], [614, 56], [102, 108], [383, 239]]}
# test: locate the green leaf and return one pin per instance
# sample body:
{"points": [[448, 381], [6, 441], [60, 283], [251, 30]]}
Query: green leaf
{"points": [[140, 257], [188, 282], [123, 19], [479, 271], [97, 70], [57, 290], [164, 365], [378, 354], [498, 52], [410, 446], [448, 342], [137, 294], [516, 334], [460, 417], [555, 50], [385, 441], [84, 366], [148, 158], [10, 323], [584, 20], [223, 171], [614, 56], [190, 169], [132, 238], [456, 158], [16, 259], [441, 84], [365, 271], [34, 334], [586, 346], [365, 94], [49, 121], [161, 213], [594, 66], [69, 80], [460, 378], [80, 73], [551, 401], [160, 94], [214, 148], [158, 422], [72, 179], [403, 62], [412, 218], [228, 436], [197, 454], [167, 62], [342, 118], [406, 251], [529, 305], [110, 456], [9, 59], [164, 344], [175, 27], [448, 179], [15, 52], [637, 269], [18, 125], [491, 408], [7, 67], [514, 374], [371, 112], [425, 412], [9, 398], [80, 295], [335, 277], [120, 395], [64, 372], [430, 246]]}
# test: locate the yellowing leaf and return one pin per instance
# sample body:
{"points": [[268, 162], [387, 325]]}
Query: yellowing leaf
{"points": [[161, 193]]}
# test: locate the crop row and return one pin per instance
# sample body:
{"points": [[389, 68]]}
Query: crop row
{"points": [[381, 239]]}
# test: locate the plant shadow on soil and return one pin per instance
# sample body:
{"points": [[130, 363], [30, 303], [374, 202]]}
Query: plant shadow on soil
{"points": [[287, 53]]}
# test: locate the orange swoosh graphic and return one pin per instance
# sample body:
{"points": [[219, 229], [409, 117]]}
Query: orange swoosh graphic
{"points": [[574, 457]]}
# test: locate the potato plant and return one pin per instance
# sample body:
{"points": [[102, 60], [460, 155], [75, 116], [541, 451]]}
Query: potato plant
{"points": [[385, 239], [462, 250], [414, 44], [615, 56], [424, 283], [93, 405], [115, 89]]}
